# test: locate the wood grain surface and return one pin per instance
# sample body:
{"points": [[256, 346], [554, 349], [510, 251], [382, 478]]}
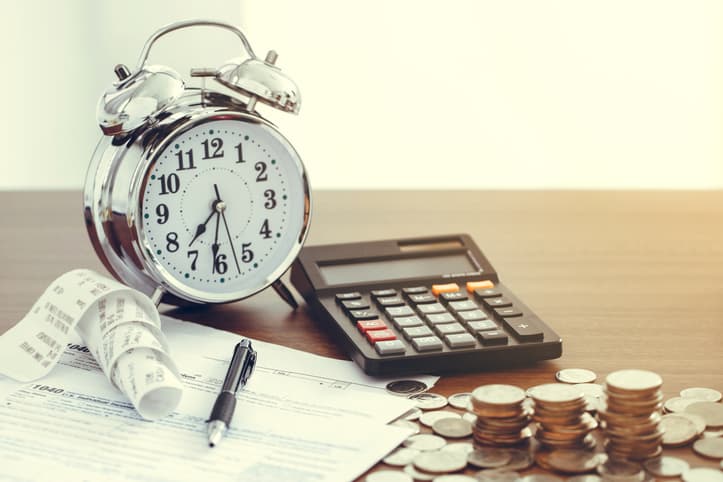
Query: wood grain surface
{"points": [[629, 279]]}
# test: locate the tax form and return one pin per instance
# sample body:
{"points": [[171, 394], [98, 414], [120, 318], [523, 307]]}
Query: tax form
{"points": [[302, 417]]}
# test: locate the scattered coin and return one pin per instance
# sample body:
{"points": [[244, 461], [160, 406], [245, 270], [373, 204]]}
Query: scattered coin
{"points": [[573, 461], [428, 418], [416, 474], [709, 447], [585, 478], [702, 474], [498, 475], [406, 424], [488, 458], [464, 447], [666, 466], [697, 420], [713, 433], [705, 394], [541, 478], [460, 400], [401, 457], [455, 478], [452, 428], [425, 442], [677, 430], [711, 412], [405, 388], [388, 476], [679, 404], [616, 469], [439, 462], [575, 375], [429, 401]]}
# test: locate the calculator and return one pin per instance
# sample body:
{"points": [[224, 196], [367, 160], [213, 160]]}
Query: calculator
{"points": [[420, 305]]}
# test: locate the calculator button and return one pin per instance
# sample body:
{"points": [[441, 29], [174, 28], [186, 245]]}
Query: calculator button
{"points": [[492, 337], [357, 315], [427, 343], [449, 328], [431, 308], [463, 305], [423, 298], [498, 302], [488, 293], [387, 292], [507, 312], [416, 332], [366, 325], [390, 301], [453, 296], [380, 335], [482, 325], [437, 318], [395, 311], [347, 296], [479, 285], [355, 304], [389, 347], [407, 321], [414, 290], [471, 315], [446, 288], [459, 340], [524, 329]]}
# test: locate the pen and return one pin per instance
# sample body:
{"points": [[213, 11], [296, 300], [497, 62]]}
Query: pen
{"points": [[239, 371]]}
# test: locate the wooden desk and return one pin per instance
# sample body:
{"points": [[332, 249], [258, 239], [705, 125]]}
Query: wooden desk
{"points": [[628, 279]]}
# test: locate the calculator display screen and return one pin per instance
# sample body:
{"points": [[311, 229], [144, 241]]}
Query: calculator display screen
{"points": [[391, 269]]}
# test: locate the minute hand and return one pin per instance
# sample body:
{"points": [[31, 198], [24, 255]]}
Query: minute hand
{"points": [[230, 241]]}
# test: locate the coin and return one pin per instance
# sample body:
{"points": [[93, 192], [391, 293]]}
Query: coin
{"points": [[388, 476], [666, 466], [616, 469], [464, 447], [575, 375], [452, 428], [405, 388], [677, 430], [541, 478], [702, 474], [416, 474], [519, 460], [428, 418], [711, 412], [497, 475], [429, 401], [705, 394], [460, 400], [470, 417], [424, 442], [584, 478], [555, 393], [633, 380], [573, 461], [697, 420], [498, 395], [401, 456], [713, 433], [455, 478], [488, 458], [709, 447], [406, 424], [440, 462], [679, 404]]}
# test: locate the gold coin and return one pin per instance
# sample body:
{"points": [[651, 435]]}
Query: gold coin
{"points": [[633, 381], [677, 430], [711, 412], [709, 447]]}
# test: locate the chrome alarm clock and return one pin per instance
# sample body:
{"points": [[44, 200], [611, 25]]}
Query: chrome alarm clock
{"points": [[191, 196]]}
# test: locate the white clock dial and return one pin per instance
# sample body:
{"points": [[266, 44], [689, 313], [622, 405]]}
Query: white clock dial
{"points": [[223, 209]]}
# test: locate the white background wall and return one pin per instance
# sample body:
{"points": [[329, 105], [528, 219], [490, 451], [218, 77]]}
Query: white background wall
{"points": [[427, 94]]}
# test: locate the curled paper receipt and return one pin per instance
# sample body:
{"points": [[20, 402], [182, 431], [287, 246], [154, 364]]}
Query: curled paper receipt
{"points": [[121, 328]]}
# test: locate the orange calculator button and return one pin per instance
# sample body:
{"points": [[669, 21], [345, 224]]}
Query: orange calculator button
{"points": [[479, 285], [448, 288]]}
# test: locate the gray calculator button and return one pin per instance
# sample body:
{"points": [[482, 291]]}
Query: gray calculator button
{"points": [[407, 321], [355, 304], [427, 343], [472, 315], [463, 305], [348, 296], [395, 311], [524, 329], [431, 308], [482, 325], [416, 332], [459, 340], [449, 328], [357, 315], [495, 337], [422, 298], [390, 301], [436, 318], [390, 347]]}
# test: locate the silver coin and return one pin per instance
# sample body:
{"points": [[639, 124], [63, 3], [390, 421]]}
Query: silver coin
{"points": [[401, 457], [634, 380], [405, 388], [464, 447], [406, 424], [575, 375], [555, 393], [702, 474], [428, 418], [497, 475], [666, 466], [470, 417], [388, 476], [452, 428], [709, 447], [429, 401], [439, 462], [572, 461], [498, 394], [700, 393], [454, 478], [460, 400], [677, 430], [620, 470], [713, 433], [678, 404], [425, 442], [585, 478], [488, 457], [541, 478], [519, 460], [711, 412], [416, 474]]}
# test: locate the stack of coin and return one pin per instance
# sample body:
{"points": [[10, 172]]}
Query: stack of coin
{"points": [[632, 414], [560, 416], [501, 417]]}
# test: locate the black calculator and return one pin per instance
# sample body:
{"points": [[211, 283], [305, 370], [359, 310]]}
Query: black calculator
{"points": [[420, 305]]}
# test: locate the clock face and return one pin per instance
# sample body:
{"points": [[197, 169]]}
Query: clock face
{"points": [[223, 209]]}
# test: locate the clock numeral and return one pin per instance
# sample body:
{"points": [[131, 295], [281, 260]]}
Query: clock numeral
{"points": [[239, 148], [194, 253], [246, 254], [172, 242], [217, 144], [265, 230], [181, 164], [270, 196], [162, 212], [169, 184], [219, 264], [260, 167]]}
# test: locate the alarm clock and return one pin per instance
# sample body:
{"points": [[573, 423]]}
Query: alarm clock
{"points": [[191, 196]]}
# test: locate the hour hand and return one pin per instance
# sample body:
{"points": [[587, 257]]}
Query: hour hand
{"points": [[201, 228]]}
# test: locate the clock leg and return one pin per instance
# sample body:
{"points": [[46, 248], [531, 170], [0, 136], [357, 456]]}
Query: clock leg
{"points": [[284, 292]]}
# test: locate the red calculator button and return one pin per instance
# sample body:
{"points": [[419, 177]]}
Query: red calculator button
{"points": [[380, 335], [448, 288], [368, 325], [479, 285]]}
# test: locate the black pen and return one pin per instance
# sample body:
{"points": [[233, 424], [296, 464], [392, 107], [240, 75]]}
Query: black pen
{"points": [[239, 371]]}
